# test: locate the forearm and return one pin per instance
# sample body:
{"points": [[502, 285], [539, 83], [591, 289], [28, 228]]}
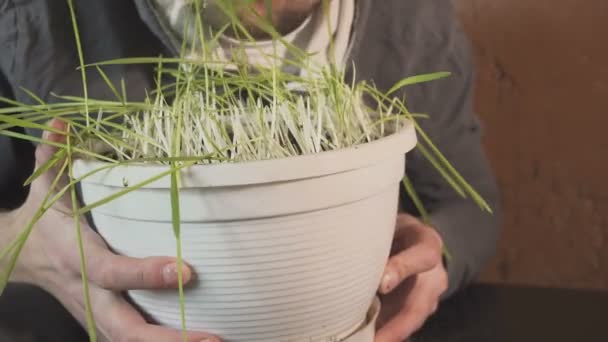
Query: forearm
{"points": [[12, 226], [7, 226], [8, 233]]}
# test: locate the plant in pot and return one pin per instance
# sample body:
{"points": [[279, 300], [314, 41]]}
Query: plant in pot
{"points": [[265, 182]]}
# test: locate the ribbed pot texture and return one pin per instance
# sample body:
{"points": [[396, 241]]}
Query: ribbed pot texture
{"points": [[283, 250]]}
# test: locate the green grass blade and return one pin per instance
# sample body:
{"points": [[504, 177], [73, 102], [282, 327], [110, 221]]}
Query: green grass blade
{"points": [[8, 249], [110, 85], [92, 330], [450, 168], [424, 215], [83, 73], [123, 87], [155, 60], [33, 96], [409, 188], [175, 204], [175, 210], [176, 221], [417, 79], [42, 169], [54, 144], [440, 168], [15, 122]]}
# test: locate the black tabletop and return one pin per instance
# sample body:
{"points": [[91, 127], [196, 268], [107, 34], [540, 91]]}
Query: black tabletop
{"points": [[494, 313], [481, 313]]}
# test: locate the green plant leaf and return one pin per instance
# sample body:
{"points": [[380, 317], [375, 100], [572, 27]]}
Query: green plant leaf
{"points": [[54, 144], [33, 96], [176, 222], [110, 85], [424, 215], [409, 188], [42, 169], [440, 168], [448, 166], [83, 266], [417, 79]]}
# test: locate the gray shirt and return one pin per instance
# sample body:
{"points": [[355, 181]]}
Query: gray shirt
{"points": [[391, 39]]}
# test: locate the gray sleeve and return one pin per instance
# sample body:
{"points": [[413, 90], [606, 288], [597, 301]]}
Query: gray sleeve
{"points": [[16, 156], [14, 162], [7, 155], [469, 234]]}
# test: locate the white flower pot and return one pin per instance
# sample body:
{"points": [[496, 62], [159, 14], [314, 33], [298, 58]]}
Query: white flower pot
{"points": [[367, 331], [289, 249]]}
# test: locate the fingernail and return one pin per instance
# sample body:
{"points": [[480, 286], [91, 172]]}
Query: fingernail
{"points": [[389, 281], [208, 340], [170, 274]]}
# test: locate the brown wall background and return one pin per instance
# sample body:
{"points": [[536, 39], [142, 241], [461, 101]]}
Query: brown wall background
{"points": [[543, 97]]}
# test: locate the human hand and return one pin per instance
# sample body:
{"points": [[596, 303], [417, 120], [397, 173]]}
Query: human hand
{"points": [[413, 280], [50, 259]]}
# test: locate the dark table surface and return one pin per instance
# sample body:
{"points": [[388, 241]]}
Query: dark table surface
{"points": [[493, 313], [481, 313]]}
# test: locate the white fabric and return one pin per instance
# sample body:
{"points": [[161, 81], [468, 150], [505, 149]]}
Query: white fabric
{"points": [[314, 36]]}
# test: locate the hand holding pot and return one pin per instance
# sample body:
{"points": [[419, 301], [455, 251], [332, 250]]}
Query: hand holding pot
{"points": [[413, 281], [50, 259]]}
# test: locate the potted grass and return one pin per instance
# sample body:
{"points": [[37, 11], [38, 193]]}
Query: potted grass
{"points": [[279, 190]]}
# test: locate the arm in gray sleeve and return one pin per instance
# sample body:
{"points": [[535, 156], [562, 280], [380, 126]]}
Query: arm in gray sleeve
{"points": [[13, 163], [16, 162], [469, 233], [16, 156]]}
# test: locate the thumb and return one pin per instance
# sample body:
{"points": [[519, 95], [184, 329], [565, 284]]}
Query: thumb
{"points": [[55, 134], [45, 151]]}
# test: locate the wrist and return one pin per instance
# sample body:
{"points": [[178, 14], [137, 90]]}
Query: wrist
{"points": [[8, 234], [12, 226], [8, 227]]}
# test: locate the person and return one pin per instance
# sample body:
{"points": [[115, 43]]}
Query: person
{"points": [[379, 41]]}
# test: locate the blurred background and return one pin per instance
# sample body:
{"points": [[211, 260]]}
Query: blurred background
{"points": [[542, 95]]}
